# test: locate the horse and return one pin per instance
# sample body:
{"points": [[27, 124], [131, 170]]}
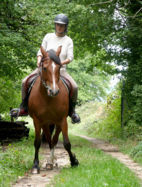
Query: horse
{"points": [[48, 105]]}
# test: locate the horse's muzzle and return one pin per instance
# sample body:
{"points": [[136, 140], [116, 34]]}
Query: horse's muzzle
{"points": [[52, 93]]}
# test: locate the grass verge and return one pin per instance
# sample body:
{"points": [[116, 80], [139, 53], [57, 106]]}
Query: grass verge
{"points": [[92, 124], [15, 160], [95, 169]]}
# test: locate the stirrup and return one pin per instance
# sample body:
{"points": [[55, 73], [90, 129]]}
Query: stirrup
{"points": [[75, 118], [16, 112]]}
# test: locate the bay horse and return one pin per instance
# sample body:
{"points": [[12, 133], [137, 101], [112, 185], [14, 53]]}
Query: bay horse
{"points": [[48, 105]]}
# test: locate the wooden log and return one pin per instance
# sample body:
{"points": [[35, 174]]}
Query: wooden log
{"points": [[13, 130]]}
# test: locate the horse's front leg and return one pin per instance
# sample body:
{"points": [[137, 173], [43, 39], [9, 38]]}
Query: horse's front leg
{"points": [[67, 145], [37, 143]]}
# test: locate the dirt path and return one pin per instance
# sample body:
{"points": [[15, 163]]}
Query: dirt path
{"points": [[114, 152], [45, 176]]}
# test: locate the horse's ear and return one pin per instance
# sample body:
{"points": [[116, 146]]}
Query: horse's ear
{"points": [[58, 51], [44, 53]]}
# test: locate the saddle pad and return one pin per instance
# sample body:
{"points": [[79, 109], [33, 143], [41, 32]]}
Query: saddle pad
{"points": [[68, 85], [30, 82]]}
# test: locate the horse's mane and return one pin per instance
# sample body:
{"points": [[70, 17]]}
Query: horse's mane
{"points": [[54, 57]]}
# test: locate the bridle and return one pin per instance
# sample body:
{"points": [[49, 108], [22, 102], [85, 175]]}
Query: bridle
{"points": [[47, 87]]}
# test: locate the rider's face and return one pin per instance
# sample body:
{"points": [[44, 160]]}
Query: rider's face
{"points": [[60, 28]]}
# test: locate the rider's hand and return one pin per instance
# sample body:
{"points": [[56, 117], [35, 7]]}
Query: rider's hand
{"points": [[38, 60], [67, 61]]}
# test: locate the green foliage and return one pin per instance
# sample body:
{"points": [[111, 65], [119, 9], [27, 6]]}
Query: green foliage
{"points": [[137, 108], [132, 130], [103, 32], [100, 119], [92, 84], [15, 160], [110, 125], [10, 94], [136, 152], [23, 26]]}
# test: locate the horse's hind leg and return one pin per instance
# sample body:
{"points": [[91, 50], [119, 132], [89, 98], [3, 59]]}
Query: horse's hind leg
{"points": [[37, 144], [54, 143], [52, 147], [67, 145], [48, 132], [44, 138]]}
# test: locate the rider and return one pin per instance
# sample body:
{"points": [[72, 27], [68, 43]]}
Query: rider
{"points": [[53, 41]]}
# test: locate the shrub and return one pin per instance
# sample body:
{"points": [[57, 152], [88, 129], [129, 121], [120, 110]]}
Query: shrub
{"points": [[137, 108], [136, 152]]}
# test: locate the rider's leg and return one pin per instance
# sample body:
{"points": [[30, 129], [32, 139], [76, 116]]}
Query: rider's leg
{"points": [[73, 100], [23, 110], [24, 104]]}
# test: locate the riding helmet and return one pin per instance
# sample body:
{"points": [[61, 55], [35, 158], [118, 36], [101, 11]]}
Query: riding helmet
{"points": [[61, 19]]}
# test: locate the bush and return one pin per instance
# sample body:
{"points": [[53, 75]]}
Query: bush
{"points": [[136, 152], [132, 130], [10, 94], [137, 108], [110, 125]]}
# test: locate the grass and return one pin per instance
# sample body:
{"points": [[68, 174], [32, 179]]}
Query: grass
{"points": [[92, 115], [95, 169], [130, 146], [15, 160]]}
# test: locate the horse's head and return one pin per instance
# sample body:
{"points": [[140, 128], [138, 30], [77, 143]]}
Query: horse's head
{"points": [[50, 71]]}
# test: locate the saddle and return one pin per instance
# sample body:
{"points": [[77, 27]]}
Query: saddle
{"points": [[31, 80], [68, 85], [28, 87]]}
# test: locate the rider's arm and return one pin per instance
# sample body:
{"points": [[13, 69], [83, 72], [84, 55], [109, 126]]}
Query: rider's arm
{"points": [[67, 61], [39, 54], [69, 53], [39, 60]]}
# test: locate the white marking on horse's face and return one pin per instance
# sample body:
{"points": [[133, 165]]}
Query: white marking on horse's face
{"points": [[53, 75]]}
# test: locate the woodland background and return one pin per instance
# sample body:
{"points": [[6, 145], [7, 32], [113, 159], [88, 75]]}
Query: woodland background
{"points": [[107, 38]]}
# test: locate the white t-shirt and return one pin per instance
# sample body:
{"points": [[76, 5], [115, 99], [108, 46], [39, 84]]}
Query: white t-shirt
{"points": [[52, 41]]}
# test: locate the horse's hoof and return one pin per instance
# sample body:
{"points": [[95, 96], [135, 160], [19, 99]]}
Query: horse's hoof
{"points": [[56, 165], [75, 163], [49, 166], [35, 171]]}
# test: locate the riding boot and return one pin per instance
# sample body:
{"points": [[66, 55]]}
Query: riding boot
{"points": [[23, 109], [24, 106], [74, 116]]}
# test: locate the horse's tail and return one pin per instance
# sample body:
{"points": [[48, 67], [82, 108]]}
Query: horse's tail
{"points": [[51, 129]]}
